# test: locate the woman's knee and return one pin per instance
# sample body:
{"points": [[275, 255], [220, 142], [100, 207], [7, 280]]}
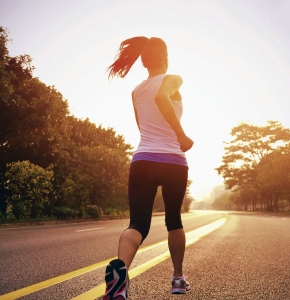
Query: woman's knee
{"points": [[173, 222], [143, 229]]}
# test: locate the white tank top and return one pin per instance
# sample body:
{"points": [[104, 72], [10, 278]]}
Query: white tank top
{"points": [[156, 134]]}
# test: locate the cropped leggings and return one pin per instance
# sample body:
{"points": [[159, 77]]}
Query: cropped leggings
{"points": [[144, 179]]}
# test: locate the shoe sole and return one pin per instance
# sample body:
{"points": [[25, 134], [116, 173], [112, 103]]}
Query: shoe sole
{"points": [[110, 298], [178, 291], [114, 267]]}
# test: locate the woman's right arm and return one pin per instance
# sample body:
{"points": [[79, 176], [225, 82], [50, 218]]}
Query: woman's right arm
{"points": [[170, 85]]}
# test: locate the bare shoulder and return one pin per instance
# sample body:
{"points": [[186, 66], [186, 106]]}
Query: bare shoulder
{"points": [[169, 86], [175, 80]]}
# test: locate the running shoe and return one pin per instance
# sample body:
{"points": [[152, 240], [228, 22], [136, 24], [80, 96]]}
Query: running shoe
{"points": [[180, 286], [117, 281]]}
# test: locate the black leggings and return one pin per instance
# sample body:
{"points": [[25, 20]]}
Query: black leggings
{"points": [[144, 179]]}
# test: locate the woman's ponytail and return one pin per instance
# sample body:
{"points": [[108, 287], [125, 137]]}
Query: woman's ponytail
{"points": [[128, 53]]}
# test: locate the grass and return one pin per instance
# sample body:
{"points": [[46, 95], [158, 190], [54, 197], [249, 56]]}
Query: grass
{"points": [[54, 219], [36, 220]]}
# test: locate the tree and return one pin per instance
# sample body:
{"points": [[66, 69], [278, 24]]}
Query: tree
{"points": [[223, 202], [90, 164], [108, 169], [187, 200], [250, 144], [31, 114], [5, 87], [95, 161], [76, 192], [273, 177], [5, 91]]}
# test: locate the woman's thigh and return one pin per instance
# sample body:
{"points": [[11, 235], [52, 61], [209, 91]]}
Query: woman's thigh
{"points": [[142, 188], [174, 185]]}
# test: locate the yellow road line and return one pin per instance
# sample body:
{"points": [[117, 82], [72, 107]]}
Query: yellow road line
{"points": [[203, 231], [56, 280], [89, 229], [99, 290], [47, 283]]}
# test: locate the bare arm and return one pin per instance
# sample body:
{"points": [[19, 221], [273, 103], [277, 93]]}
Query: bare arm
{"points": [[135, 112], [168, 88]]}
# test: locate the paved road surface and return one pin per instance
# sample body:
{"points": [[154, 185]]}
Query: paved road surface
{"points": [[247, 257]]}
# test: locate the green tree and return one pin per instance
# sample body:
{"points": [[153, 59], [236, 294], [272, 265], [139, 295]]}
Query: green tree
{"points": [[90, 163], [31, 114], [108, 169], [95, 161], [5, 92], [29, 186], [77, 192]]}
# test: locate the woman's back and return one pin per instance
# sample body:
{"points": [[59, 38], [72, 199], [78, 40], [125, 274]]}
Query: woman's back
{"points": [[157, 135]]}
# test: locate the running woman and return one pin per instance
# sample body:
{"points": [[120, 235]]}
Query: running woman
{"points": [[158, 161]]}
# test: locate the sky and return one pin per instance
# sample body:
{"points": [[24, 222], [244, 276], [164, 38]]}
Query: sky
{"points": [[233, 56]]}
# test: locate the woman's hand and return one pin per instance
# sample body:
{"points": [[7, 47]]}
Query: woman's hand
{"points": [[185, 142]]}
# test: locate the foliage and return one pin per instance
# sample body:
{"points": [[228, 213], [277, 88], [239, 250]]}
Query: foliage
{"points": [[273, 177], [255, 165], [223, 202], [116, 212], [94, 211], [29, 186], [249, 145], [89, 163], [31, 114], [62, 212], [76, 192], [187, 200], [96, 162]]}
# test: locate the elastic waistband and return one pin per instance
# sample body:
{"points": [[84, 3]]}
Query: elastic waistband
{"points": [[161, 157]]}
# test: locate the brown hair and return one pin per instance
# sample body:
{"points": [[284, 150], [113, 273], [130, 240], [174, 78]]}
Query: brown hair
{"points": [[153, 53]]}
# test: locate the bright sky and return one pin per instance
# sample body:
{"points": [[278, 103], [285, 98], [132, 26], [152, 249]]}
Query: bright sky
{"points": [[233, 56]]}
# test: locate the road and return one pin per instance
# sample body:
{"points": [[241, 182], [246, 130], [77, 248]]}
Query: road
{"points": [[229, 256]]}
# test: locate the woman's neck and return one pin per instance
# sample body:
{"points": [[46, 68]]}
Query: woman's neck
{"points": [[155, 72]]}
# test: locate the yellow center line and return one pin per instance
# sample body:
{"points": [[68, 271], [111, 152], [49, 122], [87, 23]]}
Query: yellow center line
{"points": [[98, 291], [202, 231], [47, 283]]}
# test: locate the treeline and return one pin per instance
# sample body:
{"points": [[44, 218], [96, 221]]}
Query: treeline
{"points": [[51, 163], [256, 168]]}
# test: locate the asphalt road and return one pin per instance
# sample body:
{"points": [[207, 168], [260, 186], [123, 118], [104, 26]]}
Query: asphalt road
{"points": [[248, 257]]}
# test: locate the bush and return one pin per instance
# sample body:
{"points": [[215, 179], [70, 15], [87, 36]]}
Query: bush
{"points": [[29, 187], [63, 212], [94, 211], [116, 212]]}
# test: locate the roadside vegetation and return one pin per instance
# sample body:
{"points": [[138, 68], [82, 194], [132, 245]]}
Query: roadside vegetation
{"points": [[52, 164], [256, 169]]}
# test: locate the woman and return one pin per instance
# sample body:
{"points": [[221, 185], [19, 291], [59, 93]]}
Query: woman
{"points": [[158, 161]]}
